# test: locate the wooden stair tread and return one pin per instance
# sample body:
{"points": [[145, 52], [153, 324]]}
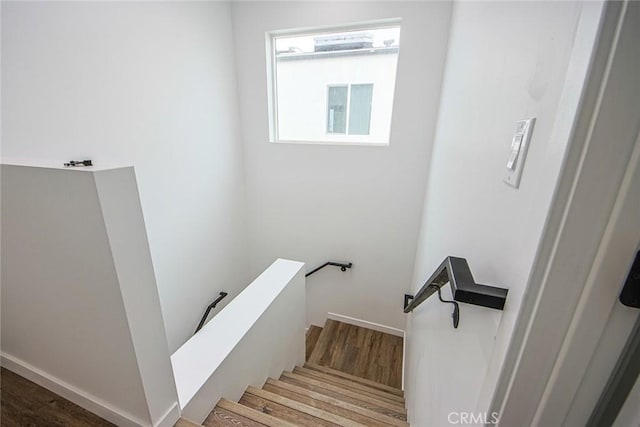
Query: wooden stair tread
{"points": [[343, 390], [353, 378], [380, 407], [256, 416], [222, 418], [311, 340], [330, 418], [331, 404], [282, 412], [350, 385], [360, 420], [368, 402]]}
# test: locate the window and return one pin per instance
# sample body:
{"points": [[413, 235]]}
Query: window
{"points": [[356, 99], [334, 86], [337, 109]]}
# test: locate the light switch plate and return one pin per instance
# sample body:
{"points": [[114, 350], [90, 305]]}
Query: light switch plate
{"points": [[518, 152]]}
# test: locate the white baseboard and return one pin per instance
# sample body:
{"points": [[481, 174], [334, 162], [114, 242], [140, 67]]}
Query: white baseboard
{"points": [[170, 417], [365, 324], [404, 356], [79, 397]]}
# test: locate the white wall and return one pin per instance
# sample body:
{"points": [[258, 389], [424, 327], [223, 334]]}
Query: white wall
{"points": [[80, 308], [342, 203], [150, 84], [303, 95], [502, 66]]}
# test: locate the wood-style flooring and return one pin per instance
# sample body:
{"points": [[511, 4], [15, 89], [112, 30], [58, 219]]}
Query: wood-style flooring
{"points": [[24, 403], [358, 351]]}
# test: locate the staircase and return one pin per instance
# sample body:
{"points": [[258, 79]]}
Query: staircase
{"points": [[317, 395]]}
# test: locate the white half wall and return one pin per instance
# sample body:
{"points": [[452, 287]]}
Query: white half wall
{"points": [[150, 84], [321, 203], [257, 336], [80, 308], [503, 65]]}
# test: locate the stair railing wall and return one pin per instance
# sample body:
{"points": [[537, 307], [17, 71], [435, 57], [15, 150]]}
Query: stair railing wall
{"points": [[259, 334]]}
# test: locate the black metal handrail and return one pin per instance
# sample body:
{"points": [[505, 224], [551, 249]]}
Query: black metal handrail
{"points": [[456, 272], [343, 267], [208, 310]]}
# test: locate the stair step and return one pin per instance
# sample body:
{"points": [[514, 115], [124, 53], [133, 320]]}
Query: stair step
{"points": [[243, 416], [349, 396], [221, 417], [311, 414], [369, 391], [332, 418], [354, 412], [312, 339], [353, 378]]}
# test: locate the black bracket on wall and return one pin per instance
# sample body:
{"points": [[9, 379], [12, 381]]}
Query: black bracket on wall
{"points": [[455, 315], [76, 163], [456, 272]]}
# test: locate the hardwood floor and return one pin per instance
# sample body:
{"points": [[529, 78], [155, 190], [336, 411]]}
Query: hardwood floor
{"points": [[358, 351], [24, 403]]}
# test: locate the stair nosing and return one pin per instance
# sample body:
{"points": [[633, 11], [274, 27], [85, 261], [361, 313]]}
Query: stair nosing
{"points": [[350, 393], [351, 384], [364, 381], [303, 407], [252, 414], [384, 418]]}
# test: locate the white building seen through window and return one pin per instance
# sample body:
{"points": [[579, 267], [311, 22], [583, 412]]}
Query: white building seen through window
{"points": [[334, 87]]}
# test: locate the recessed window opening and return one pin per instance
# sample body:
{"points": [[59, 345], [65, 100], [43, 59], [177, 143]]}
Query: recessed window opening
{"points": [[334, 86]]}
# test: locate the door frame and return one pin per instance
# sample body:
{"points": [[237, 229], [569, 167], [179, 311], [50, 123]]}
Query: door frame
{"points": [[621, 383], [570, 252]]}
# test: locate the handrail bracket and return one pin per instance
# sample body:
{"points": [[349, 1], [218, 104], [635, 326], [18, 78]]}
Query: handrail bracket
{"points": [[456, 272]]}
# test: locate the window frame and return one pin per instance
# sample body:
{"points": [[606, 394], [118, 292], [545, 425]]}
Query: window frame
{"points": [[271, 74]]}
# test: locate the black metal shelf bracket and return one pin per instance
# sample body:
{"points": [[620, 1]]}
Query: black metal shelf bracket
{"points": [[343, 267], [456, 272]]}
